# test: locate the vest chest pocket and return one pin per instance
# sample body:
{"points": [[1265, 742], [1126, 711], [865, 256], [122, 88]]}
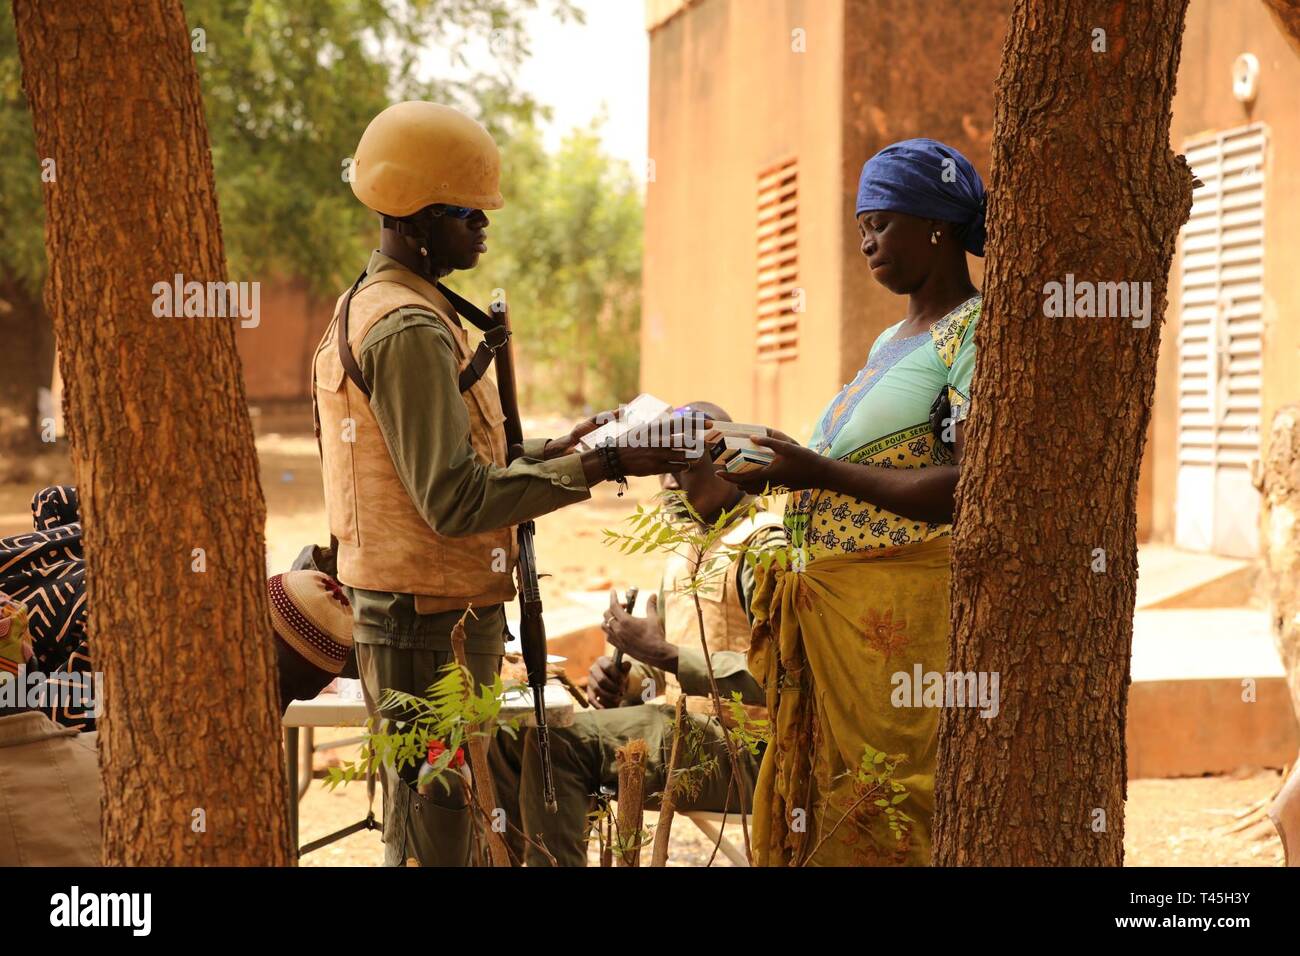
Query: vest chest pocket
{"points": [[337, 441], [485, 420]]}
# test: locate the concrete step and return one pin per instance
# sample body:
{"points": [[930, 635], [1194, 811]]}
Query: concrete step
{"points": [[1170, 577], [1209, 694]]}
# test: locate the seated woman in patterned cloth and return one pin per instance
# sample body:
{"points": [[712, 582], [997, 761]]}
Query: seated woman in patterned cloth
{"points": [[45, 570], [869, 521]]}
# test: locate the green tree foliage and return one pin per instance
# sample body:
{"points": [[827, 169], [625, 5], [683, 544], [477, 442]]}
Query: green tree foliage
{"points": [[22, 215], [566, 253], [289, 85], [451, 711]]}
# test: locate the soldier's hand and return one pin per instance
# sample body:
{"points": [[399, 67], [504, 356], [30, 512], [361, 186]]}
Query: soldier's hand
{"points": [[664, 445], [639, 637], [564, 444], [606, 683]]}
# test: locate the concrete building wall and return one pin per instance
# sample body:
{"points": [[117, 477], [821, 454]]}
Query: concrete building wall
{"points": [[910, 69], [730, 96], [1217, 32], [276, 354]]}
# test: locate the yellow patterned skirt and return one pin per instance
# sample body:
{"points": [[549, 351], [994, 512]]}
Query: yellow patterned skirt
{"points": [[828, 644]]}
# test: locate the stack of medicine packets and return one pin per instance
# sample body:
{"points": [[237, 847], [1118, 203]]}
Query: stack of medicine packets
{"points": [[636, 414], [730, 445]]}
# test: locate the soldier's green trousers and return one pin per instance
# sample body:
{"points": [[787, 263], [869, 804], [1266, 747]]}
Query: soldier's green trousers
{"points": [[434, 830], [583, 758]]}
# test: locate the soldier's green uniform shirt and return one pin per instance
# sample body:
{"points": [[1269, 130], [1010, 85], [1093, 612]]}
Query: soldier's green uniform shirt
{"points": [[408, 360]]}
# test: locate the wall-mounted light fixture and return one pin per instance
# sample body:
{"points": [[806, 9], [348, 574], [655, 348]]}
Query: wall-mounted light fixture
{"points": [[1245, 77]]}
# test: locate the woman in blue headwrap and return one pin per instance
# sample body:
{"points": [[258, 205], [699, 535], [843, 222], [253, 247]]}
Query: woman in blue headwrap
{"points": [[847, 638]]}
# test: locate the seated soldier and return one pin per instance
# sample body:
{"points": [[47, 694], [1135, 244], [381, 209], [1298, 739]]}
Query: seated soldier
{"points": [[637, 699]]}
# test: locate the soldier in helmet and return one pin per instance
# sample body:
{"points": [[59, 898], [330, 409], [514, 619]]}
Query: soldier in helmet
{"points": [[420, 496]]}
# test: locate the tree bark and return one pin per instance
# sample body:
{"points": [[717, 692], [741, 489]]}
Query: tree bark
{"points": [[1287, 14], [1083, 183], [1281, 489], [160, 439], [630, 760]]}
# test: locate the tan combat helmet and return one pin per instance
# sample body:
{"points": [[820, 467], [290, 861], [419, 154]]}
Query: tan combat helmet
{"points": [[415, 154]]}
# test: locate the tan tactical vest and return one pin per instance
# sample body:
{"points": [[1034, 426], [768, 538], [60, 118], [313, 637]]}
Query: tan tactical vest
{"points": [[384, 543], [726, 626]]}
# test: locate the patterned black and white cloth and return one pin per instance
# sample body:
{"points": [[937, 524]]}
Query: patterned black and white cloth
{"points": [[45, 569]]}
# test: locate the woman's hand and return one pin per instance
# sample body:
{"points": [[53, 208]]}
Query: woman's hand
{"points": [[779, 435], [794, 467]]}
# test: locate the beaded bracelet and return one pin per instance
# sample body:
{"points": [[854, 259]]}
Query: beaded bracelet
{"points": [[613, 467]]}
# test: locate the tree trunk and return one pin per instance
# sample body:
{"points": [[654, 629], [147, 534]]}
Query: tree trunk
{"points": [[1280, 484], [1281, 488], [1084, 184], [160, 438], [1287, 14]]}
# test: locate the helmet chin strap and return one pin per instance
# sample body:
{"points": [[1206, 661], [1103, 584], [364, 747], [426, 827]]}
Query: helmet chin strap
{"points": [[412, 230]]}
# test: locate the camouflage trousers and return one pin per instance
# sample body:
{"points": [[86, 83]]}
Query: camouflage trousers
{"points": [[436, 830], [583, 758]]}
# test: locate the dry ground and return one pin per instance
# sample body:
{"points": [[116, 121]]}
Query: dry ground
{"points": [[1168, 822], [1184, 822]]}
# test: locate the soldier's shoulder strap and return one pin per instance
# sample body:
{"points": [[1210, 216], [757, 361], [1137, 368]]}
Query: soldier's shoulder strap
{"points": [[495, 333], [350, 366]]}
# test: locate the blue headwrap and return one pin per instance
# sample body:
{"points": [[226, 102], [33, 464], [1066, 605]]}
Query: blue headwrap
{"points": [[925, 178]]}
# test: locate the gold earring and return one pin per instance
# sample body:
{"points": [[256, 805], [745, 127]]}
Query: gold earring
{"points": [[424, 251], [934, 238]]}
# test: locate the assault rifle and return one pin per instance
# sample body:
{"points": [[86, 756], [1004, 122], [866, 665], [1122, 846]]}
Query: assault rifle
{"points": [[532, 629]]}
